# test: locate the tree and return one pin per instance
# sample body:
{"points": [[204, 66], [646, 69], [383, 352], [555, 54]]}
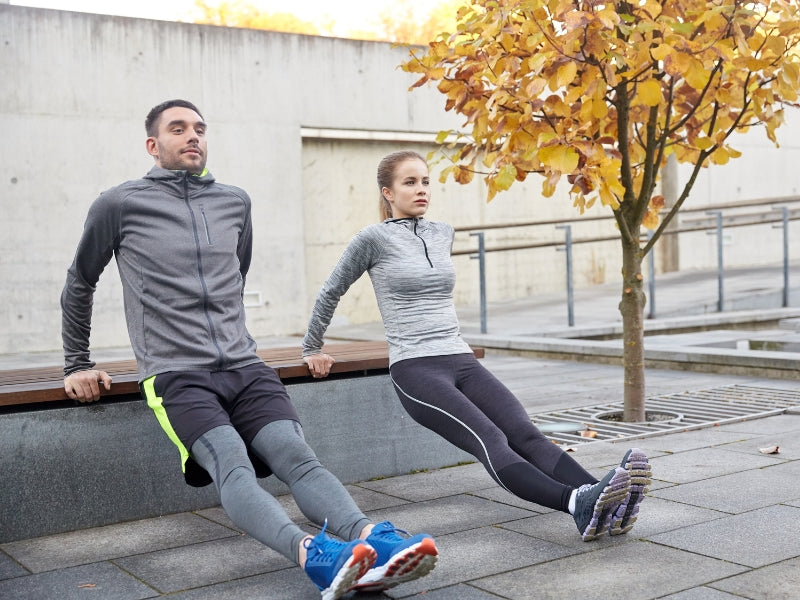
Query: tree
{"points": [[239, 13], [402, 22], [602, 93]]}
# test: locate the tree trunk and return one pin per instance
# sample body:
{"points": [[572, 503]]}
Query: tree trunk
{"points": [[632, 309]]}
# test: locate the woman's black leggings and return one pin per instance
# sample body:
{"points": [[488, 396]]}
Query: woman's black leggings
{"points": [[456, 397]]}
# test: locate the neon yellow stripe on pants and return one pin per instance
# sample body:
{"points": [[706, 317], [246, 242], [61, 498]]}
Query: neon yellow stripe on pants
{"points": [[157, 405]]}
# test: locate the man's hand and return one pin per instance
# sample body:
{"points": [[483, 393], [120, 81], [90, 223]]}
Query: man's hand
{"points": [[83, 386], [319, 364]]}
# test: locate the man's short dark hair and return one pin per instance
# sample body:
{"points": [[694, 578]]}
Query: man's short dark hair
{"points": [[151, 122]]}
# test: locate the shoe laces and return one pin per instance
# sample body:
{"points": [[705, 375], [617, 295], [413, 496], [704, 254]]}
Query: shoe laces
{"points": [[583, 489], [387, 532], [321, 548]]}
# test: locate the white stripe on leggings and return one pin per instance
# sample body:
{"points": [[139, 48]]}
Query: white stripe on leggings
{"points": [[460, 422]]}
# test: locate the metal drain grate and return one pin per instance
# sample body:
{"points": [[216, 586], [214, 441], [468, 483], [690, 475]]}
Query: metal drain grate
{"points": [[674, 412]]}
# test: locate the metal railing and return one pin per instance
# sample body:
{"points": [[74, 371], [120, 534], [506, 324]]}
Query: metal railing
{"points": [[713, 221]]}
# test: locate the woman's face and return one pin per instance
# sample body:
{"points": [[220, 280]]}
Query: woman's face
{"points": [[410, 193]]}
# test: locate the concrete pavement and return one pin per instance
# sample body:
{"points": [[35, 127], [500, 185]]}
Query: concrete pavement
{"points": [[719, 521]]}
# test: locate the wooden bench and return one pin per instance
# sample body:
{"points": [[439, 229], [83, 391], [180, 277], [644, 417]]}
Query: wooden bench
{"points": [[45, 384], [66, 466]]}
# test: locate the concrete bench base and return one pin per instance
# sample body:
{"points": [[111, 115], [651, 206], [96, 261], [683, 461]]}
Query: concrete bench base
{"points": [[85, 466]]}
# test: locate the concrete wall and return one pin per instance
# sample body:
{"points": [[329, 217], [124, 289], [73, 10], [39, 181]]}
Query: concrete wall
{"points": [[763, 171], [300, 122]]}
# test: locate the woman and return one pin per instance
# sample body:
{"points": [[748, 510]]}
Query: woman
{"points": [[435, 373]]}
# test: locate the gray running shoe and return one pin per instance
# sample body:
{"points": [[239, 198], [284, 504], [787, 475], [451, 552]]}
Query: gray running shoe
{"points": [[636, 463], [595, 504]]}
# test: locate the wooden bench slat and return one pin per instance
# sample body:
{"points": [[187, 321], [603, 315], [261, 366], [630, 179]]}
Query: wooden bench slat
{"points": [[45, 384]]}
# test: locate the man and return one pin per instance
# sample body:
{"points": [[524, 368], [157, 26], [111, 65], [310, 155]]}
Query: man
{"points": [[183, 244]]}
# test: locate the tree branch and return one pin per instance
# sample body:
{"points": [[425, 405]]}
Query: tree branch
{"points": [[677, 206]]}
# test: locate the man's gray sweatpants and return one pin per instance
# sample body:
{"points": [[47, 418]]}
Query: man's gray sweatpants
{"points": [[281, 445]]}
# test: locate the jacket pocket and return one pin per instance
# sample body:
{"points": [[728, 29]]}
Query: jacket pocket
{"points": [[205, 226]]}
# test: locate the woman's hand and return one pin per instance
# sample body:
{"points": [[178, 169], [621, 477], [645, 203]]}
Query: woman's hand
{"points": [[319, 364], [83, 386]]}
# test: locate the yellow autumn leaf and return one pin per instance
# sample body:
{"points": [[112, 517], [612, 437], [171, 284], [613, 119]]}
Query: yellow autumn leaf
{"points": [[566, 73], [549, 185], [463, 174], [607, 198], [703, 143], [650, 92], [505, 177], [599, 109], [559, 158], [445, 172], [732, 152], [650, 220], [696, 74], [661, 51], [609, 17], [720, 156], [653, 8], [587, 109], [677, 63]]}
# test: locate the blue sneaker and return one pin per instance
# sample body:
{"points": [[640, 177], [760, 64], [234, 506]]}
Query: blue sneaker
{"points": [[335, 566], [638, 466], [400, 559], [595, 504]]}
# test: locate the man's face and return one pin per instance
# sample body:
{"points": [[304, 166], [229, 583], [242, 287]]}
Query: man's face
{"points": [[180, 144]]}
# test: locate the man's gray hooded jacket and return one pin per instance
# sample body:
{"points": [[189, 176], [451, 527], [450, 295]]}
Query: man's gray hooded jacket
{"points": [[183, 245]]}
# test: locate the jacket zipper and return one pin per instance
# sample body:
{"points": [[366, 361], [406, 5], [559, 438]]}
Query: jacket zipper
{"points": [[424, 245], [201, 274]]}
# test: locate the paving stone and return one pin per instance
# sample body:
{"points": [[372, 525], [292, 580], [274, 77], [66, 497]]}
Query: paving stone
{"points": [[779, 581], [559, 528], [10, 568], [218, 514], [449, 515], [366, 500], [202, 564], [655, 484], [461, 592], [434, 484], [655, 516], [287, 584], [757, 538], [704, 463], [788, 447], [99, 580], [498, 494], [607, 573], [113, 541], [777, 425], [681, 441], [598, 457], [477, 553], [740, 492], [701, 593]]}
